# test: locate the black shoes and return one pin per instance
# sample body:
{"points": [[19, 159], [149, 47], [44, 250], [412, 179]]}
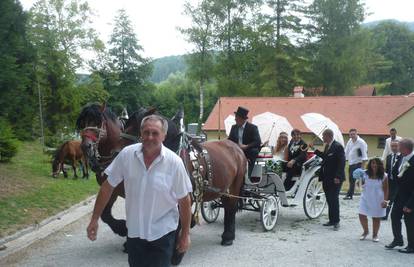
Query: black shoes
{"points": [[407, 250], [394, 244], [348, 198], [328, 224], [336, 227]]}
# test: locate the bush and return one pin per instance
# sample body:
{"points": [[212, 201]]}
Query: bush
{"points": [[8, 142]]}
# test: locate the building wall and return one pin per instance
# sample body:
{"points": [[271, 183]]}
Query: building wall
{"points": [[372, 141], [405, 124]]}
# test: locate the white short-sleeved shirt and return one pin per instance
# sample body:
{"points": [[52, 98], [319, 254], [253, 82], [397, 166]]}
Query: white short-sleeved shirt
{"points": [[151, 195], [351, 151]]}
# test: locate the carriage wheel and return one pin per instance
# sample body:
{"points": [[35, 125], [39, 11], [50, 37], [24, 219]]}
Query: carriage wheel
{"points": [[314, 200], [269, 213], [210, 211]]}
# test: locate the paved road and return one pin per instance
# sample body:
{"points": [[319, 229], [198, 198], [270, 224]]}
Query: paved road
{"points": [[296, 241]]}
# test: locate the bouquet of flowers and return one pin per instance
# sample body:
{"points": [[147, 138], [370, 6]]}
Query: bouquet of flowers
{"points": [[275, 166], [358, 174], [404, 167]]}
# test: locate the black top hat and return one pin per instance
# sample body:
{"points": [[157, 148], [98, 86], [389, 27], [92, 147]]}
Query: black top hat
{"points": [[242, 112]]}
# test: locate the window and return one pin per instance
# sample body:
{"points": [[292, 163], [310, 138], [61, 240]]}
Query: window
{"points": [[318, 142], [381, 142]]}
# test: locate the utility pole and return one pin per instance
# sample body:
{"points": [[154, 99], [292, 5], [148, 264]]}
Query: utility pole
{"points": [[42, 137]]}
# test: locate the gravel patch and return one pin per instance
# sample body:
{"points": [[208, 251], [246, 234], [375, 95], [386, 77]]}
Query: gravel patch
{"points": [[295, 241]]}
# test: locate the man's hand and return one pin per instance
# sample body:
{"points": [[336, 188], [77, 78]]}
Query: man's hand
{"points": [[311, 145], [407, 210], [243, 147], [291, 163], [384, 204], [92, 229], [337, 181], [184, 242]]}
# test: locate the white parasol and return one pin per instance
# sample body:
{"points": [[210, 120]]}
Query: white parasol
{"points": [[317, 123], [228, 122], [270, 125]]}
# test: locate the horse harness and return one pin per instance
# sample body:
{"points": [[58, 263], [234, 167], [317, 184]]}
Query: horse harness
{"points": [[201, 164]]}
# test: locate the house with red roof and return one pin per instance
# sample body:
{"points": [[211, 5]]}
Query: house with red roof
{"points": [[372, 116]]}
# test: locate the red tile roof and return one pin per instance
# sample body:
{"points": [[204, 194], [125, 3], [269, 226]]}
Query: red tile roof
{"points": [[369, 115]]}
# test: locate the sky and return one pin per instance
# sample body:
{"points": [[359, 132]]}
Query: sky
{"points": [[156, 21]]}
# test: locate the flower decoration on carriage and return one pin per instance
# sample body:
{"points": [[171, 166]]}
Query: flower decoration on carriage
{"points": [[404, 167], [358, 174], [275, 166]]}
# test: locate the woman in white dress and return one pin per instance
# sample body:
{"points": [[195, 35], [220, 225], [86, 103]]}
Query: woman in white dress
{"points": [[374, 198], [279, 152]]}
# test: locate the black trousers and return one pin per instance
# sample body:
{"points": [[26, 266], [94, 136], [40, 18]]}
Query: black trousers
{"points": [[332, 198], [351, 170], [409, 224], [396, 216], [392, 193], [157, 253]]}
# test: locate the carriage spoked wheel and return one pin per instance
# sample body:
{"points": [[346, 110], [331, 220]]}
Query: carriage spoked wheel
{"points": [[269, 212], [314, 200], [210, 211]]}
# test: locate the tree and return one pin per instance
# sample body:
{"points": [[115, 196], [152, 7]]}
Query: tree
{"points": [[127, 72], [200, 34], [395, 43], [59, 31], [279, 58], [340, 48], [234, 31], [16, 95]]}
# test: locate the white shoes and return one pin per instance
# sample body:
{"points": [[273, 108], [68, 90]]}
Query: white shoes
{"points": [[375, 239], [363, 236]]}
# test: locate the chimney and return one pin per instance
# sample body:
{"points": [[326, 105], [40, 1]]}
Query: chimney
{"points": [[298, 91]]}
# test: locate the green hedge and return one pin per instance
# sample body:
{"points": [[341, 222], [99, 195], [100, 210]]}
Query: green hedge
{"points": [[8, 142]]}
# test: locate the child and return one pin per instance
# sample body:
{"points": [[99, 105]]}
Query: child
{"points": [[374, 198]]}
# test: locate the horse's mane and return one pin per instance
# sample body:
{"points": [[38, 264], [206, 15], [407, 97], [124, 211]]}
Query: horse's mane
{"points": [[59, 150], [91, 115], [139, 115]]}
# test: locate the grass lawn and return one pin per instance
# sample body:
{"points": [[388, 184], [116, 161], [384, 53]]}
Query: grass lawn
{"points": [[29, 194]]}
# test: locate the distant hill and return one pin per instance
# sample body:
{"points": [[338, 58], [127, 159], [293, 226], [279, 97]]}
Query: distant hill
{"points": [[372, 24], [164, 66]]}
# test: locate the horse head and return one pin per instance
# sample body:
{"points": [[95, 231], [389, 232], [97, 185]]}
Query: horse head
{"points": [[55, 167], [99, 129]]}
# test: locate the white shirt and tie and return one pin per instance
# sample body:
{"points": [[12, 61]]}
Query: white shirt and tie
{"points": [[240, 132], [387, 147], [393, 161]]}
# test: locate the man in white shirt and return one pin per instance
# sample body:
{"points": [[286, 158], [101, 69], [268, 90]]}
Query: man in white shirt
{"points": [[387, 147], [155, 182], [356, 153]]}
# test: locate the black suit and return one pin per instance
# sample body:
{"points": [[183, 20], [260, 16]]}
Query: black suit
{"points": [[296, 152], [404, 198], [392, 165], [333, 166], [251, 138]]}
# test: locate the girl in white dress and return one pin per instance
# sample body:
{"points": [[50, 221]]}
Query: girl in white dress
{"points": [[374, 197]]}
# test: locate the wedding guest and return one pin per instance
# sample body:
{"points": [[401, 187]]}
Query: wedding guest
{"points": [[387, 148], [393, 163], [374, 198]]}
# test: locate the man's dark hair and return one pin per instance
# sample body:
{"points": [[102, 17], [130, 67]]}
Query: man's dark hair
{"points": [[380, 169], [393, 130], [353, 130], [295, 131]]}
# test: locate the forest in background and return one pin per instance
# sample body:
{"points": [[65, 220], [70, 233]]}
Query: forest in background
{"points": [[241, 48]]}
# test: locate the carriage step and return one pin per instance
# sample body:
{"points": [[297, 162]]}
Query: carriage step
{"points": [[289, 205]]}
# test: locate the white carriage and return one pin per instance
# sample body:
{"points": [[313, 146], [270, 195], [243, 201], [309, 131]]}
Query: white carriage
{"points": [[264, 192]]}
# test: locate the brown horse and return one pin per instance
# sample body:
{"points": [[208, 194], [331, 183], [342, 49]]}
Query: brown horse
{"points": [[69, 151]]}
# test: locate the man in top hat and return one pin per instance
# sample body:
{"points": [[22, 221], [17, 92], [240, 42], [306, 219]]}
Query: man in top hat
{"points": [[246, 135]]}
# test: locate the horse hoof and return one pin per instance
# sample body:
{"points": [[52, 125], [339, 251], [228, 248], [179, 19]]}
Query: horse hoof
{"points": [[177, 258], [226, 243]]}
